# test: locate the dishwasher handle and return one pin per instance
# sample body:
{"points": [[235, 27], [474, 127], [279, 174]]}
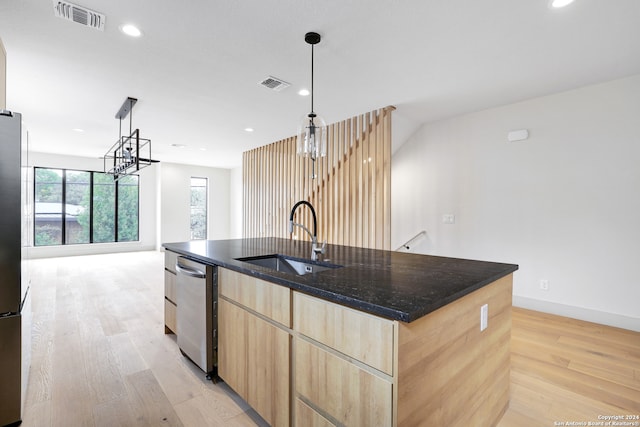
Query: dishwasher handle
{"points": [[191, 272]]}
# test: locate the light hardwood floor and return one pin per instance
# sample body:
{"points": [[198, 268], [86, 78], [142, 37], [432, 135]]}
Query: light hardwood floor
{"points": [[565, 370], [101, 358]]}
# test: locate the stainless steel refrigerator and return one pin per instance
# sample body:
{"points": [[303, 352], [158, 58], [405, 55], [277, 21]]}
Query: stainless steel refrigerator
{"points": [[14, 290]]}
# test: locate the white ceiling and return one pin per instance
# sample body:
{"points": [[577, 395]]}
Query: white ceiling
{"points": [[196, 69]]}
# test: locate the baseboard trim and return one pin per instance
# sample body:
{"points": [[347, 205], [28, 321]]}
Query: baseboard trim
{"points": [[86, 249], [588, 315]]}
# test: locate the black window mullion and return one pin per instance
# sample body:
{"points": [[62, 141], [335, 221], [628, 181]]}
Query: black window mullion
{"points": [[91, 207], [34, 206], [64, 206], [115, 206]]}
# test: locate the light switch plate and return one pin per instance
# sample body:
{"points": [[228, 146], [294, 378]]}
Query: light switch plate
{"points": [[449, 219], [484, 317]]}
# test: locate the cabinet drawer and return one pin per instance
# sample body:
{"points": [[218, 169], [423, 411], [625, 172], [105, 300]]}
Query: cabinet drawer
{"points": [[170, 260], [170, 315], [307, 417], [348, 393], [170, 286], [362, 336], [268, 299]]}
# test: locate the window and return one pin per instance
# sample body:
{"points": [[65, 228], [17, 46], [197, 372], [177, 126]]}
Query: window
{"points": [[48, 207], [128, 208], [77, 194], [74, 207], [198, 208], [104, 208]]}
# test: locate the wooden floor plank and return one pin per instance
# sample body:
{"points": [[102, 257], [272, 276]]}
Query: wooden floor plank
{"points": [[570, 370], [149, 403], [114, 413], [128, 359]]}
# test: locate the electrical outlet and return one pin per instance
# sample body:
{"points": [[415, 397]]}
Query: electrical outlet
{"points": [[544, 284], [484, 317]]}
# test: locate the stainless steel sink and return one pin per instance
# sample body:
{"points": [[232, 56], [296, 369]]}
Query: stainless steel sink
{"points": [[287, 264]]}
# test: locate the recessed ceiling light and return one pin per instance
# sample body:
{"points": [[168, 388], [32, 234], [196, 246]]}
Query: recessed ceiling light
{"points": [[78, 130], [178, 145], [131, 30], [557, 4], [304, 92], [248, 129]]}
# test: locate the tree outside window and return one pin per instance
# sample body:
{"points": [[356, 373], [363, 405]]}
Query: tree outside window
{"points": [[128, 208], [198, 208], [48, 207], [77, 194]]}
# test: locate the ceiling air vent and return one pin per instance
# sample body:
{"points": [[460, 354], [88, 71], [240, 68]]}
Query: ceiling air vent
{"points": [[79, 14], [274, 83]]}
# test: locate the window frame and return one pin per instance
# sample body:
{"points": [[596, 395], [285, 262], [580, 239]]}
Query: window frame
{"points": [[206, 206], [63, 215]]}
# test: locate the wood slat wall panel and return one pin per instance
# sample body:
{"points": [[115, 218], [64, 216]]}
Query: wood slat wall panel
{"points": [[351, 194]]}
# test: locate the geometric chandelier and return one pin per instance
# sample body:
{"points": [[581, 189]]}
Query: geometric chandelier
{"points": [[130, 153]]}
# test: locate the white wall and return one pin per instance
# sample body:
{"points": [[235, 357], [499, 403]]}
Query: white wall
{"points": [[564, 204], [236, 203], [175, 190]]}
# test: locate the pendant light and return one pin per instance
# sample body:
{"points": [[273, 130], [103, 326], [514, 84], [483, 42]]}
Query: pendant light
{"points": [[312, 132]]}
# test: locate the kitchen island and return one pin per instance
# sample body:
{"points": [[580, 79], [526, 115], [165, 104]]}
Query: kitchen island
{"points": [[376, 338]]}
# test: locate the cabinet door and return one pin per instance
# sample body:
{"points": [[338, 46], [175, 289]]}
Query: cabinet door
{"points": [[170, 286], [254, 360], [169, 317], [307, 417], [169, 295], [232, 346], [170, 292], [348, 393]]}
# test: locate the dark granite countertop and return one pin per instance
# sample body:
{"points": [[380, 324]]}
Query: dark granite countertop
{"points": [[394, 285]]}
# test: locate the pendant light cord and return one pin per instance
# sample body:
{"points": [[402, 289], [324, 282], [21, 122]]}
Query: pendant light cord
{"points": [[312, 80]]}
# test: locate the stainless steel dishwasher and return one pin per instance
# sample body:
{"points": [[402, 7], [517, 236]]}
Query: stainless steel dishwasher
{"points": [[196, 317]]}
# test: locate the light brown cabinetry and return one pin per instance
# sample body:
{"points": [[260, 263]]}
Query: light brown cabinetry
{"points": [[254, 344], [352, 368], [342, 390], [270, 300], [170, 292], [359, 335], [306, 416], [449, 372], [344, 362]]}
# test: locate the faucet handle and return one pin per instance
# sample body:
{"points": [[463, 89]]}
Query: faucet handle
{"points": [[319, 249]]}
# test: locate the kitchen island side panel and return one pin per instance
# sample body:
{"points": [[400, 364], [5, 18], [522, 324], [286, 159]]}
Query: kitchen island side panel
{"points": [[449, 372]]}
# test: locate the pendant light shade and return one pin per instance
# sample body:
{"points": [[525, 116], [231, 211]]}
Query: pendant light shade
{"points": [[312, 137], [312, 131]]}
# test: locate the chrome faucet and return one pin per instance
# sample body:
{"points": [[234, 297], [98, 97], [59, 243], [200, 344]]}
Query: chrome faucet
{"points": [[315, 248]]}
